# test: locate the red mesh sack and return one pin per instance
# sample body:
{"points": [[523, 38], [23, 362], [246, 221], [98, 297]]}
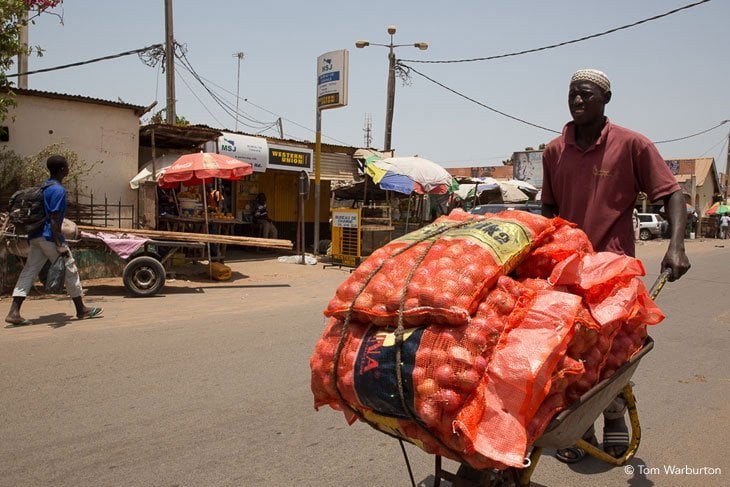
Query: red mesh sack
{"points": [[564, 242], [473, 389], [627, 342], [439, 273]]}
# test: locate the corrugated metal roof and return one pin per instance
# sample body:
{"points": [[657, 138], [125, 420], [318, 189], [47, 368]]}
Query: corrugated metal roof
{"points": [[86, 99], [176, 136], [703, 167]]}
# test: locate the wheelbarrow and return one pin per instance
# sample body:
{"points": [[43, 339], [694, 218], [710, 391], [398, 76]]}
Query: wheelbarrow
{"points": [[567, 428]]}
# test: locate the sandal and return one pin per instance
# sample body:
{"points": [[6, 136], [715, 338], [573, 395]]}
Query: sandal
{"points": [[574, 454], [616, 438], [11, 323], [91, 313]]}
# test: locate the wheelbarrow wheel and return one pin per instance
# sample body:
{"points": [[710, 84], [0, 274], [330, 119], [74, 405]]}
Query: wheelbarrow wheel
{"points": [[144, 276], [488, 478]]}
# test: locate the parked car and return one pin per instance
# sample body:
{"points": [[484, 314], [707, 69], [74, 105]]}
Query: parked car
{"points": [[533, 207], [652, 225]]}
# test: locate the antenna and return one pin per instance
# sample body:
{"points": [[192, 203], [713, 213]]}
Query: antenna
{"points": [[240, 55], [368, 129]]}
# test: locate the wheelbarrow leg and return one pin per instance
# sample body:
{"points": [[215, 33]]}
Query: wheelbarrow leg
{"points": [[525, 474], [628, 395]]}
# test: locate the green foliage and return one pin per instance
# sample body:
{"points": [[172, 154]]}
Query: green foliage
{"points": [[13, 15], [160, 117], [18, 172]]}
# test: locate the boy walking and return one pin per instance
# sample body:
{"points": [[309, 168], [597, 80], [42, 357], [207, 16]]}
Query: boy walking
{"points": [[47, 244]]}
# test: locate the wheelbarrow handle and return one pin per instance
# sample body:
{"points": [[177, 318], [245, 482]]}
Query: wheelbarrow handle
{"points": [[659, 283]]}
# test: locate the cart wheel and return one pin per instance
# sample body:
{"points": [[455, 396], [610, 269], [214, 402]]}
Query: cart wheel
{"points": [[488, 478], [144, 276]]}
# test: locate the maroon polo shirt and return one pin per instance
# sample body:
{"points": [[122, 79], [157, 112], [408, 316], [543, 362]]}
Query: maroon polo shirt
{"points": [[597, 188]]}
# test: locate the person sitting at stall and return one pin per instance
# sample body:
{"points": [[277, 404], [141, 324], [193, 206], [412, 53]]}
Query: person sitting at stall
{"points": [[265, 226], [214, 199]]}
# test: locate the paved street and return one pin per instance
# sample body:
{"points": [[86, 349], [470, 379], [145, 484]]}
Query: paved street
{"points": [[208, 385]]}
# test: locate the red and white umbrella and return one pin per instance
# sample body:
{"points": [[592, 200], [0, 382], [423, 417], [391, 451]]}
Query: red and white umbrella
{"points": [[196, 168], [199, 167]]}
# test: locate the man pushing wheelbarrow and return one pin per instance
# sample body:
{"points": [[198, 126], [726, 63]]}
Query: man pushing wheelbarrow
{"points": [[468, 336], [592, 174]]}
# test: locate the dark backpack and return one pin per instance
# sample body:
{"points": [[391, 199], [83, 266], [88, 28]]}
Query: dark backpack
{"points": [[27, 210]]}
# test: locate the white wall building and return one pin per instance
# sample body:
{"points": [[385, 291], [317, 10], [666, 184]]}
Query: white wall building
{"points": [[96, 130]]}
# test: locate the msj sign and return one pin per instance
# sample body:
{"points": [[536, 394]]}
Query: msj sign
{"points": [[332, 72]]}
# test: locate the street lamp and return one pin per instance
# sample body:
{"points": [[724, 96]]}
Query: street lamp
{"points": [[391, 79]]}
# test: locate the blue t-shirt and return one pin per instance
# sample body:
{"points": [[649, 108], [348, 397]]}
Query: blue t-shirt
{"points": [[54, 200]]}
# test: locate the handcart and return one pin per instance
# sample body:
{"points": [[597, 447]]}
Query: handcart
{"points": [[566, 429], [145, 270]]}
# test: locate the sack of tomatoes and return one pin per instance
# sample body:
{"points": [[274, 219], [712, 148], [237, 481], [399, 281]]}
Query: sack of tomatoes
{"points": [[527, 326]]}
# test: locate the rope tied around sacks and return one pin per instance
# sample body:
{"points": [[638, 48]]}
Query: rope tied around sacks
{"points": [[398, 333]]}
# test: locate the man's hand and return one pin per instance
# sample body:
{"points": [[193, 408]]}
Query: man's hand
{"points": [[63, 250], [677, 261]]}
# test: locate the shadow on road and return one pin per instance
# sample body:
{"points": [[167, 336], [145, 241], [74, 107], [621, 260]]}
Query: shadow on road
{"points": [[55, 320]]}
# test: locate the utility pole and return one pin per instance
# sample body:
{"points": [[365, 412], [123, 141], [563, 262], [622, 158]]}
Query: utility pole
{"points": [[170, 63], [240, 55], [390, 102], [23, 55], [281, 128], [727, 167]]}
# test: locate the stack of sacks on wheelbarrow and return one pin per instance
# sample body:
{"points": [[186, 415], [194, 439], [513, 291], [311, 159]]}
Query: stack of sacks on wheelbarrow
{"points": [[467, 336]]}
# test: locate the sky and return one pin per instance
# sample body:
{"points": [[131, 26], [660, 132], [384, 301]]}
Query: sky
{"points": [[669, 76]]}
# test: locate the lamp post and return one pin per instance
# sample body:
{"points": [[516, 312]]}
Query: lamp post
{"points": [[391, 79]]}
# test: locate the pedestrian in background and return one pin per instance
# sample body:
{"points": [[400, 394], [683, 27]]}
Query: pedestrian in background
{"points": [[592, 174], [724, 223], [47, 245]]}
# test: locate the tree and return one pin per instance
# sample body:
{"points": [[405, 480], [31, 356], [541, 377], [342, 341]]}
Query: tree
{"points": [[159, 117], [18, 172], [13, 15]]}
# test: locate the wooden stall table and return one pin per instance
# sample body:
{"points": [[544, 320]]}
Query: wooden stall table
{"points": [[196, 224]]}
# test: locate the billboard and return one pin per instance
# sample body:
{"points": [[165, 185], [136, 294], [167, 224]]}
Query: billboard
{"points": [[253, 150], [332, 71], [288, 158], [527, 166]]}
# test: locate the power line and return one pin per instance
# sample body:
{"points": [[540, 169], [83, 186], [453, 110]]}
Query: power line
{"points": [[198, 98], [720, 143], [227, 107], [560, 44], [410, 68], [274, 113], [693, 135], [143, 50]]}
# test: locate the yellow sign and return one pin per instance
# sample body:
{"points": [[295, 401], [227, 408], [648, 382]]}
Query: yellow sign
{"points": [[346, 233]]}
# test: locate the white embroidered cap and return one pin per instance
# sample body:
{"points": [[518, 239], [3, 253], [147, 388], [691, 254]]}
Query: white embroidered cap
{"points": [[594, 76]]}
